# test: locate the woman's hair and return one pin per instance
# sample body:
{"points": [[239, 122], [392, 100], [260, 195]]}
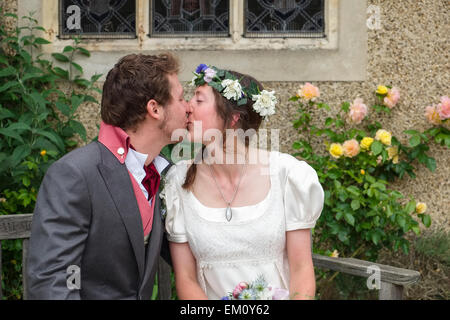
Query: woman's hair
{"points": [[131, 83], [248, 119]]}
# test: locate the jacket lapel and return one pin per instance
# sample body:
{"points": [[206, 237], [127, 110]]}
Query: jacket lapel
{"points": [[119, 185], [154, 246]]}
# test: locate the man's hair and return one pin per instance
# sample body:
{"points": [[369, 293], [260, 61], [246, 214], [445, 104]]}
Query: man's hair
{"points": [[133, 81]]}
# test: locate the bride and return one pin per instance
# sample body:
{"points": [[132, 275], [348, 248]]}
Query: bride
{"points": [[241, 226]]}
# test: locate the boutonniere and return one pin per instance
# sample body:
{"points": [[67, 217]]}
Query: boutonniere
{"points": [[162, 196]]}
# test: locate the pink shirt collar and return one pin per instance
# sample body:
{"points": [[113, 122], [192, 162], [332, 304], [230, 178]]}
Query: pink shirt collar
{"points": [[115, 140]]}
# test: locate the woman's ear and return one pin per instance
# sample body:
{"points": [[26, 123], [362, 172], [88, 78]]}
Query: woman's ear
{"points": [[154, 109], [235, 119]]}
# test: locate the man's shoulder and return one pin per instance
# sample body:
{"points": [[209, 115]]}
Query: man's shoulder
{"points": [[83, 157]]}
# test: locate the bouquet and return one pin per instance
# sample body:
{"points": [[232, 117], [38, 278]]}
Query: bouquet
{"points": [[257, 290]]}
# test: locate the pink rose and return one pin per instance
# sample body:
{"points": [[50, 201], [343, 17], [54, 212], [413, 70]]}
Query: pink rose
{"points": [[444, 108], [308, 92], [351, 148], [238, 289], [432, 115], [392, 98], [358, 111]]}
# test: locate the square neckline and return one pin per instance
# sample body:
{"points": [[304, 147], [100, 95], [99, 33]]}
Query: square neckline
{"points": [[267, 196]]}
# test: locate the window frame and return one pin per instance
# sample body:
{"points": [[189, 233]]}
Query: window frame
{"points": [[236, 40]]}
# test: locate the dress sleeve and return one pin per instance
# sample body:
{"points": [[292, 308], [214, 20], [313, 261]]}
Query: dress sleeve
{"points": [[175, 218], [303, 196]]}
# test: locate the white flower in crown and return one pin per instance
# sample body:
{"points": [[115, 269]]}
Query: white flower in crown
{"points": [[193, 80], [265, 103], [233, 89]]}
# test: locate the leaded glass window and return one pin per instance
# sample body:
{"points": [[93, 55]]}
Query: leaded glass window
{"points": [[190, 18], [284, 18], [97, 18]]}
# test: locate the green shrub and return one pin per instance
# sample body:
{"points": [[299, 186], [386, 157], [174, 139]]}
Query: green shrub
{"points": [[361, 213], [38, 123]]}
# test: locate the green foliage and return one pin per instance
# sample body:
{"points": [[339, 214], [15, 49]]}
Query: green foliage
{"points": [[435, 246], [361, 213], [38, 123]]}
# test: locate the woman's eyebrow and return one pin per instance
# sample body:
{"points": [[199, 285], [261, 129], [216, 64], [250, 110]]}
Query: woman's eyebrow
{"points": [[199, 93]]}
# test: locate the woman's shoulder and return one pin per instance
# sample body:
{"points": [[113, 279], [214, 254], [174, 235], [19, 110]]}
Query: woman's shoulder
{"points": [[177, 172], [289, 165]]}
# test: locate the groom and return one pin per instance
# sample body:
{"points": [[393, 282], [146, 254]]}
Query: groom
{"points": [[97, 229]]}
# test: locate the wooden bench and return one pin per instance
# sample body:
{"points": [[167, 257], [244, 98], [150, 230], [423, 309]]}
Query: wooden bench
{"points": [[392, 279]]}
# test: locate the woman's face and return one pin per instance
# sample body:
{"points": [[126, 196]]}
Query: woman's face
{"points": [[203, 106]]}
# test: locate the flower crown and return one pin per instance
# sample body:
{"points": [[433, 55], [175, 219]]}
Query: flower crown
{"points": [[227, 85]]}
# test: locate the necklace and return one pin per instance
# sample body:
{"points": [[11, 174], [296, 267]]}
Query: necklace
{"points": [[228, 212]]}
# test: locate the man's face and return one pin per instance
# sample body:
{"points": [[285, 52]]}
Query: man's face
{"points": [[177, 109]]}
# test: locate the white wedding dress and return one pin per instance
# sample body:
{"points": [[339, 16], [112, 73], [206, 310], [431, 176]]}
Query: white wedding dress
{"points": [[253, 243]]}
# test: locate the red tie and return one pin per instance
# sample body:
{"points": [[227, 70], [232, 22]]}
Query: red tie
{"points": [[151, 180]]}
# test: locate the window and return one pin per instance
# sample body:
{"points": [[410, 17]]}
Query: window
{"points": [[189, 18], [97, 18], [284, 18]]}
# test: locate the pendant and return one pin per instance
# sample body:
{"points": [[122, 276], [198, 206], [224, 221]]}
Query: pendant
{"points": [[228, 214]]}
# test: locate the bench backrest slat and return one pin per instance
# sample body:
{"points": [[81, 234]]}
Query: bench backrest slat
{"points": [[15, 226]]}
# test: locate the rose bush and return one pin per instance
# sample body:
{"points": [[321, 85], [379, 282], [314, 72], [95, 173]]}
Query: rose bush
{"points": [[362, 214]]}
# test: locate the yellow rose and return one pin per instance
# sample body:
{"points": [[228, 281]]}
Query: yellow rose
{"points": [[382, 90], [393, 154], [384, 136], [334, 254], [363, 172], [421, 207], [336, 150], [366, 142], [43, 152]]}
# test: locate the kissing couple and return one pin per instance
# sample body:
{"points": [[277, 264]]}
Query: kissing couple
{"points": [[230, 230]]}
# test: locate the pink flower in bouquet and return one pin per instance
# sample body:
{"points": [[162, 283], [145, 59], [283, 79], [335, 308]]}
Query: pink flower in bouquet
{"points": [[238, 289], [444, 108], [358, 111], [308, 92], [392, 98], [351, 148], [432, 115]]}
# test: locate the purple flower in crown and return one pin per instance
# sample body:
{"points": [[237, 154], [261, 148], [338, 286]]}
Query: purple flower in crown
{"points": [[209, 75], [201, 67]]}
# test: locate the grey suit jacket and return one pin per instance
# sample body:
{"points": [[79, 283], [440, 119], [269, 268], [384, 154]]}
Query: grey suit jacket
{"points": [[87, 216]]}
